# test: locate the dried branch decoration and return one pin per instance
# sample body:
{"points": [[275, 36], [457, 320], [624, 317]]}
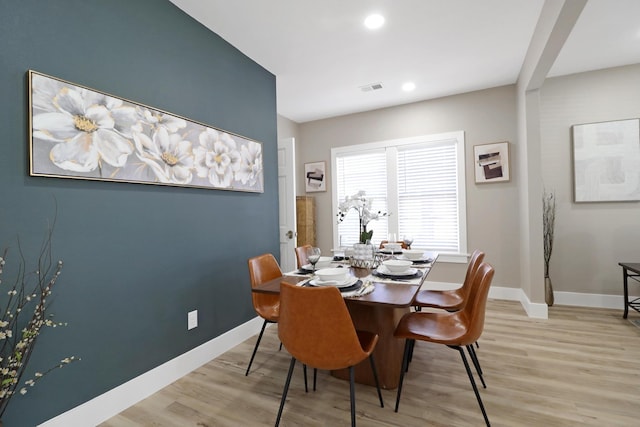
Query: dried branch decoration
{"points": [[548, 224]]}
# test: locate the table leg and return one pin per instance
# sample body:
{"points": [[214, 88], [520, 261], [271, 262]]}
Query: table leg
{"points": [[389, 350], [626, 292]]}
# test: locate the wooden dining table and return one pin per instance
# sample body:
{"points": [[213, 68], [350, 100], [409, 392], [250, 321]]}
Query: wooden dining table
{"points": [[378, 312]]}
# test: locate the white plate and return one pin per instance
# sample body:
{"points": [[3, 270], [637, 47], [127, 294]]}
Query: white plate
{"points": [[408, 272], [351, 280], [422, 260]]}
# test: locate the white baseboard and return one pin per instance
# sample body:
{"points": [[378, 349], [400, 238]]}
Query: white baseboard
{"points": [[536, 310], [111, 403], [590, 300]]}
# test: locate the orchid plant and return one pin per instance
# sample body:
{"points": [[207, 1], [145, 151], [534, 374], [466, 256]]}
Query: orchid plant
{"points": [[22, 320], [363, 205]]}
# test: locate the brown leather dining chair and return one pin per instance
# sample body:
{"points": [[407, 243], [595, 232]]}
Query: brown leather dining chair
{"points": [[263, 268], [454, 300], [450, 300], [456, 330], [403, 244], [317, 330], [301, 255]]}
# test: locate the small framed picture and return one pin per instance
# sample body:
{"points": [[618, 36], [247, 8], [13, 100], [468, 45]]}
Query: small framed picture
{"points": [[491, 162], [315, 177]]}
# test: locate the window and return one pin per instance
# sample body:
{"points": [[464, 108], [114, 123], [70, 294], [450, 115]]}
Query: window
{"points": [[420, 181]]}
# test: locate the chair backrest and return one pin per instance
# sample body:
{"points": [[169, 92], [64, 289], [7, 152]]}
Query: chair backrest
{"points": [[474, 311], [402, 243], [263, 268], [474, 263], [301, 255], [316, 328], [476, 258]]}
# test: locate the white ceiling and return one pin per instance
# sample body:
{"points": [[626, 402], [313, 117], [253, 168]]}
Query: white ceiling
{"points": [[322, 55]]}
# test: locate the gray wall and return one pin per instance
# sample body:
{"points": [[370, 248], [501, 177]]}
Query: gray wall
{"points": [[137, 257], [590, 238], [485, 116]]}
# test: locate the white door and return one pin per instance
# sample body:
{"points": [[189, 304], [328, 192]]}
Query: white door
{"points": [[287, 203]]}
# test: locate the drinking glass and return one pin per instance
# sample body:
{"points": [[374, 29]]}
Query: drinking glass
{"points": [[408, 240], [313, 255], [392, 238]]}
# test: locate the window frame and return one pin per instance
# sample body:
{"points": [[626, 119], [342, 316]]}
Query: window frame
{"points": [[391, 147]]}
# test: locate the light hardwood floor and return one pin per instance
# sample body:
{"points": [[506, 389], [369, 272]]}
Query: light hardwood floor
{"points": [[579, 368]]}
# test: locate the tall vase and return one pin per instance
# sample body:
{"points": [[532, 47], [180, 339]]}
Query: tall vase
{"points": [[548, 291]]}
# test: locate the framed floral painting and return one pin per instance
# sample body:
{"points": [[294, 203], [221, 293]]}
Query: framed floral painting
{"points": [[77, 132]]}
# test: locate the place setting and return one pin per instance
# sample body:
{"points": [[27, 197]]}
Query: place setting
{"points": [[340, 278], [416, 256], [398, 270]]}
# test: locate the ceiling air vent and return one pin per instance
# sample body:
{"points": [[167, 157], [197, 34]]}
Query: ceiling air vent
{"points": [[370, 87]]}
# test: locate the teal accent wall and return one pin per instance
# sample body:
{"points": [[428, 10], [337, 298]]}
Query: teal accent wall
{"points": [[136, 257]]}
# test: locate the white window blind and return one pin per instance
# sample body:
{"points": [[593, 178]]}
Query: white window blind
{"points": [[363, 170], [419, 181], [428, 196]]}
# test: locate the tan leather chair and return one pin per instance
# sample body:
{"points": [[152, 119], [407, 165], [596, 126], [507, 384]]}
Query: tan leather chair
{"points": [[454, 329], [454, 300], [301, 255], [263, 268], [316, 328], [450, 300]]}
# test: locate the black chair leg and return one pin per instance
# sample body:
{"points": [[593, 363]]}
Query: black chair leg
{"points": [[476, 363], [315, 375], [285, 391], [304, 370], [280, 349], [375, 377], [413, 344], [473, 383], [403, 368], [264, 325], [352, 393]]}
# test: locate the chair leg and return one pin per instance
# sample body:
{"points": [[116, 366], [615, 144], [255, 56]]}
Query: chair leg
{"points": [[280, 349], [315, 375], [352, 395], [473, 383], [375, 377], [304, 370], [403, 368], [413, 344], [286, 390], [264, 325], [476, 363]]}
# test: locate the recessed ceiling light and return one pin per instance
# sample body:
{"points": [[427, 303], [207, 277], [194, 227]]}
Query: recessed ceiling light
{"points": [[408, 86], [374, 21]]}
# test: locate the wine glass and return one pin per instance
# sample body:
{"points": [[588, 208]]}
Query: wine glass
{"points": [[313, 255], [408, 240]]}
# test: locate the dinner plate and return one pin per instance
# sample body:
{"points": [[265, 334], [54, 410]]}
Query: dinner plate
{"points": [[417, 261], [388, 252], [353, 287], [384, 270], [417, 273], [351, 280]]}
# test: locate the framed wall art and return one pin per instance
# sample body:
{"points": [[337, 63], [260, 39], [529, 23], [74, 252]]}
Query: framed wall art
{"points": [[606, 161], [82, 133], [315, 177], [491, 162]]}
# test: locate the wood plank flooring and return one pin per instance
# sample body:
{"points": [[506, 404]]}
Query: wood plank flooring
{"points": [[579, 368]]}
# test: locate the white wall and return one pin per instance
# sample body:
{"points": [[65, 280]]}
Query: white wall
{"points": [[485, 116], [590, 238]]}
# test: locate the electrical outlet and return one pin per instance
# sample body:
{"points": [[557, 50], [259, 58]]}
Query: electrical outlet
{"points": [[192, 319]]}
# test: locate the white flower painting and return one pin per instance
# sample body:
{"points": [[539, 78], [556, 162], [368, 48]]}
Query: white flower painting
{"points": [[77, 132]]}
